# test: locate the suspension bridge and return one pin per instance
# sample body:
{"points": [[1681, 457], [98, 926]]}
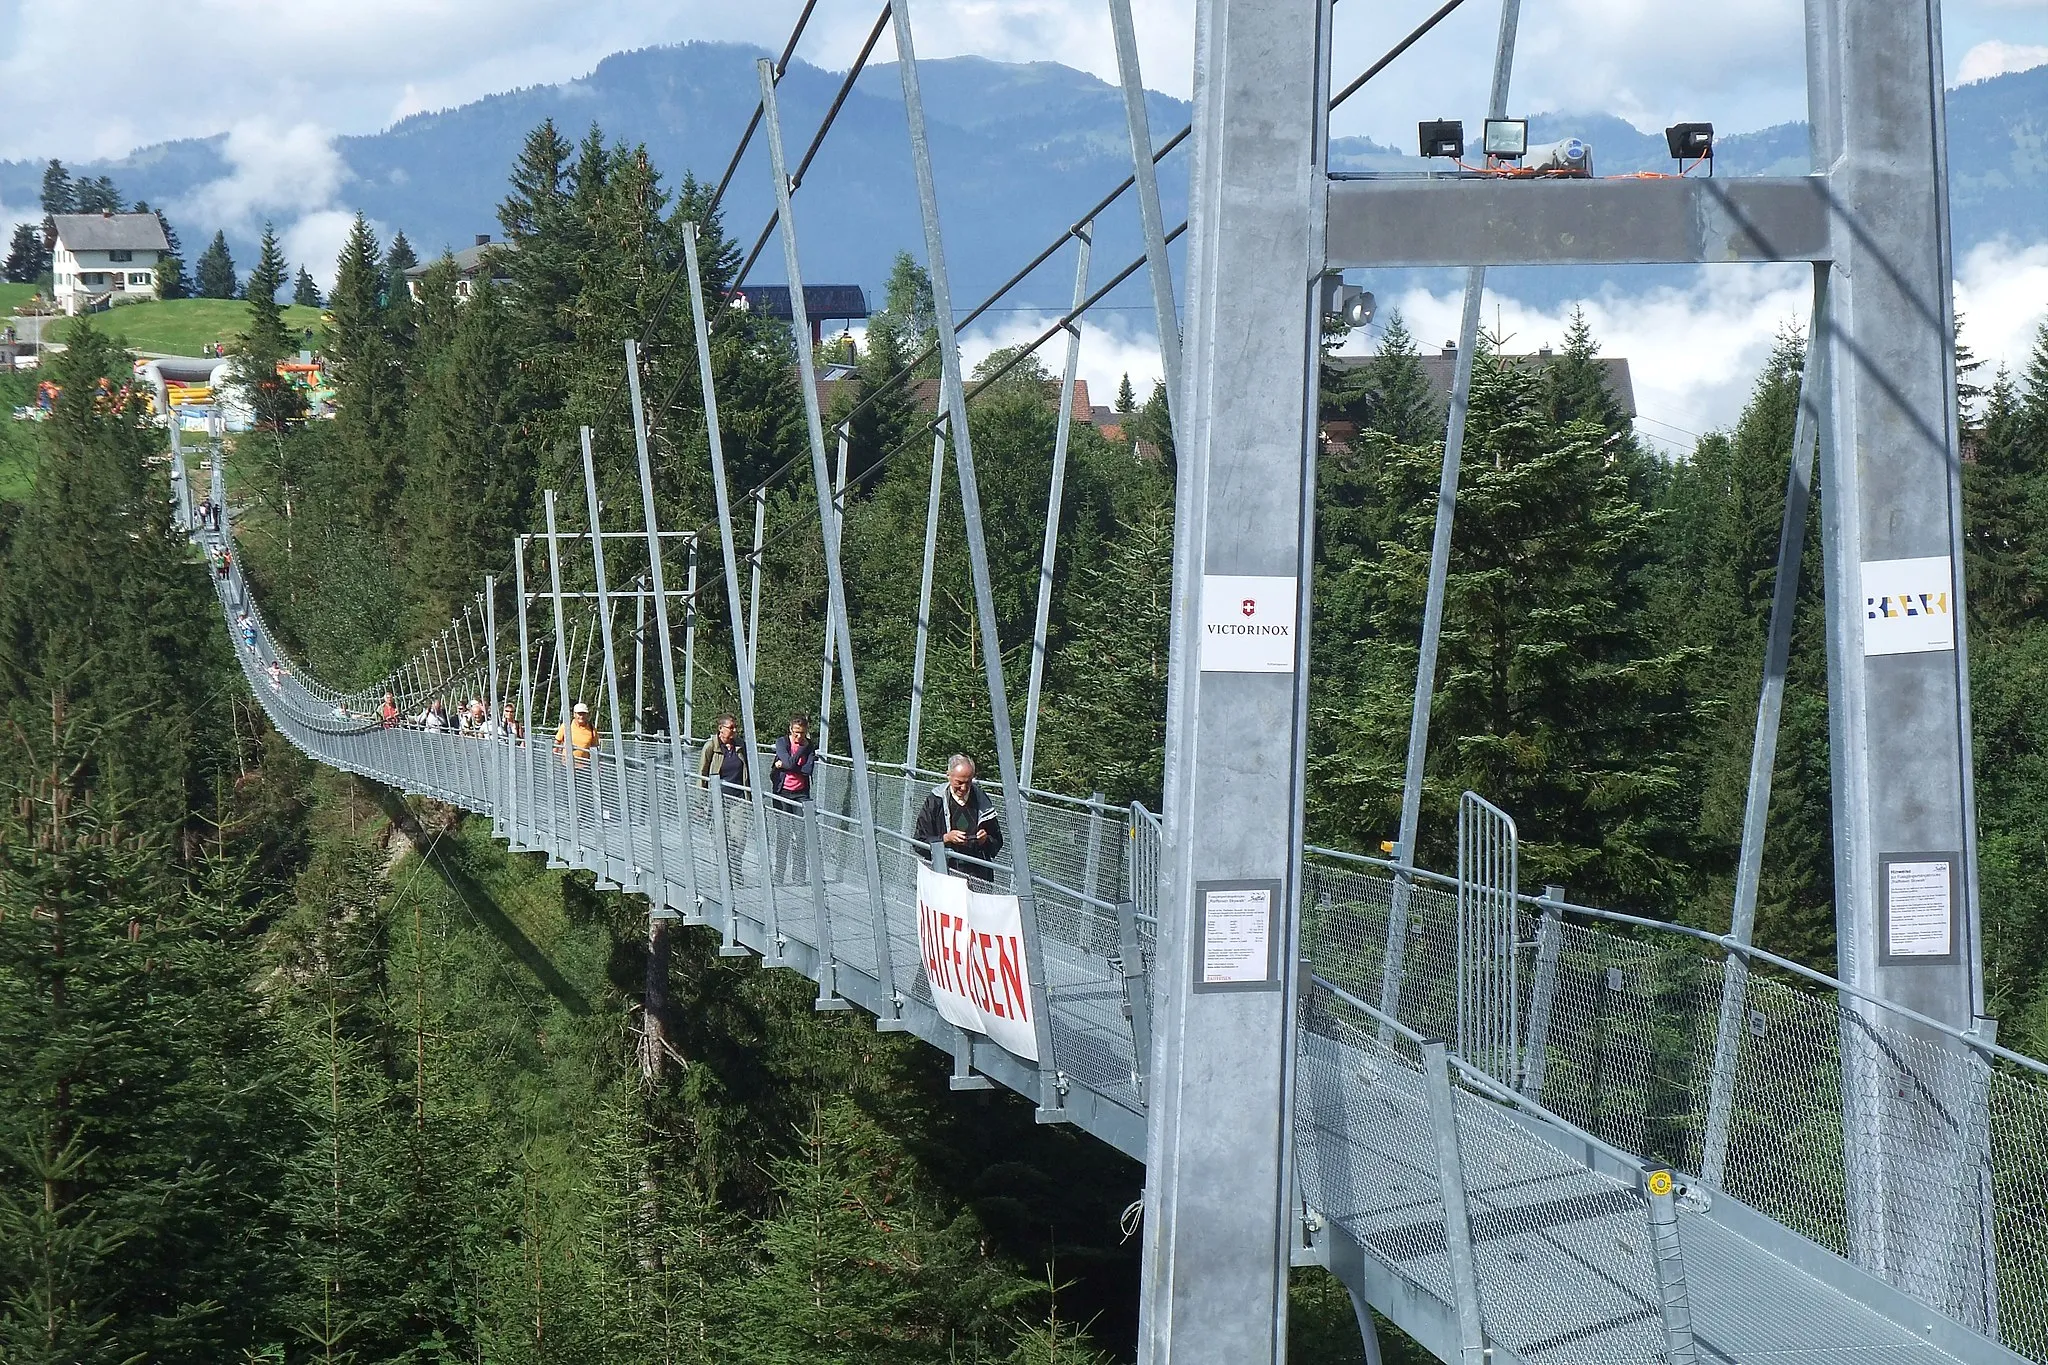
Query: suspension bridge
{"points": [[1515, 1126]]}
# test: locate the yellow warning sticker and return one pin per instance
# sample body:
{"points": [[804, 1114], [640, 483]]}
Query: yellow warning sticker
{"points": [[1660, 1183]]}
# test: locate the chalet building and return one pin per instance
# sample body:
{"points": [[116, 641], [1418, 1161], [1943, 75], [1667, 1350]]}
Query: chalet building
{"points": [[1438, 371], [471, 263], [823, 303], [100, 259]]}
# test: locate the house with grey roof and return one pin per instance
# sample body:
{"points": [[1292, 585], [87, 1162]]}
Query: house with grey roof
{"points": [[471, 265], [100, 259]]}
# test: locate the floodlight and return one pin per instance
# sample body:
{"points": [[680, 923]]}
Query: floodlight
{"points": [[1690, 141], [1506, 138], [1442, 137]]}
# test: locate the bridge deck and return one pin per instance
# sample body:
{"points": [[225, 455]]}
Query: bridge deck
{"points": [[1560, 1232]]}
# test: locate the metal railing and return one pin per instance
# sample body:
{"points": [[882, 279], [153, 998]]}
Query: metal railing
{"points": [[1619, 1037]]}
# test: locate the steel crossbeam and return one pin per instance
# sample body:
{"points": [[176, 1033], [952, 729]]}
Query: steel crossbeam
{"points": [[1455, 221]]}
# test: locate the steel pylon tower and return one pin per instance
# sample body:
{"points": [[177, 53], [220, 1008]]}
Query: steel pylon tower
{"points": [[1267, 221]]}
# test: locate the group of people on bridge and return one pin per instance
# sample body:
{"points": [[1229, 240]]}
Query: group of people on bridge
{"points": [[957, 814]]}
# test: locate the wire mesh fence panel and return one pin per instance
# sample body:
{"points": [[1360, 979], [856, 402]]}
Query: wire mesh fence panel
{"points": [[1363, 1146], [789, 873], [2016, 1133], [1598, 1069]]}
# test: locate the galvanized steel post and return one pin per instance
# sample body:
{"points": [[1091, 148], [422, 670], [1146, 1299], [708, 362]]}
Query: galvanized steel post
{"points": [[856, 738], [1764, 750], [1052, 1085], [657, 577], [742, 646], [689, 646], [1674, 1300], [611, 677], [525, 737], [1216, 1270], [1145, 172], [1907, 912], [835, 513], [1450, 1174], [924, 587], [1054, 501], [500, 768], [567, 745], [1394, 964]]}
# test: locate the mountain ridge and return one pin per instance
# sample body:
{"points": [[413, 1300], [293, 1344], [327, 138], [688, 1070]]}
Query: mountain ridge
{"points": [[1016, 146]]}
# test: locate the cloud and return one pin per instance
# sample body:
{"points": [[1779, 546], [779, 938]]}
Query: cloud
{"points": [[2002, 295], [1997, 58], [1111, 347], [1694, 352], [274, 173], [315, 241]]}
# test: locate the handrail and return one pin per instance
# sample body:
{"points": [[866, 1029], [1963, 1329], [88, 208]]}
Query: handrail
{"points": [[1726, 942]]}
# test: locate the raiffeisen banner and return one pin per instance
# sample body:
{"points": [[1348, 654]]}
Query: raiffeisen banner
{"points": [[973, 948]]}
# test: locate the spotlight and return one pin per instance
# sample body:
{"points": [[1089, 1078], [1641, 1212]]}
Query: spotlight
{"points": [[1443, 137], [1346, 304], [1690, 141], [1506, 138], [1570, 157]]}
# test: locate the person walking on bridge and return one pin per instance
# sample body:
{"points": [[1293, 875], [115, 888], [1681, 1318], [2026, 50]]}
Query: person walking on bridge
{"points": [[579, 735], [505, 727], [796, 764], [388, 712], [960, 815], [726, 756]]}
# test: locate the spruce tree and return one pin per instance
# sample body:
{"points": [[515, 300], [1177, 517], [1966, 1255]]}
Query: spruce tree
{"points": [[2004, 497], [467, 490], [305, 293], [28, 256], [170, 267], [98, 195], [274, 401], [141, 1117], [397, 261], [369, 387], [216, 276], [59, 194], [1555, 698], [1400, 405], [115, 622], [1126, 400]]}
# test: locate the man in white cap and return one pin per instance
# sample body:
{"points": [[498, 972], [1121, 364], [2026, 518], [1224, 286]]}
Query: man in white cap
{"points": [[580, 736]]}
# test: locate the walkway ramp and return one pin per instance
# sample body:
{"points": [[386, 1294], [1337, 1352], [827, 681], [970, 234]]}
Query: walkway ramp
{"points": [[1552, 1163]]}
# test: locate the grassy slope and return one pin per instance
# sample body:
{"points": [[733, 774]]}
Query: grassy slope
{"points": [[12, 296], [19, 441], [182, 326]]}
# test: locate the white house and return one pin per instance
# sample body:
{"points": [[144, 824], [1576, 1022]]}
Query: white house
{"points": [[105, 257]]}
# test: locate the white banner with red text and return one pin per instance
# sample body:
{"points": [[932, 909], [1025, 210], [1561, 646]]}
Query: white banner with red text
{"points": [[972, 943]]}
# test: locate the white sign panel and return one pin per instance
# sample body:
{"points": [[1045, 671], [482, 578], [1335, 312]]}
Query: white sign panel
{"points": [[1919, 909], [1248, 623], [1908, 606], [972, 943], [1237, 930]]}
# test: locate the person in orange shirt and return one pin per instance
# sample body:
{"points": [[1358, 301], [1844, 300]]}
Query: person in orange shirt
{"points": [[581, 735]]}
